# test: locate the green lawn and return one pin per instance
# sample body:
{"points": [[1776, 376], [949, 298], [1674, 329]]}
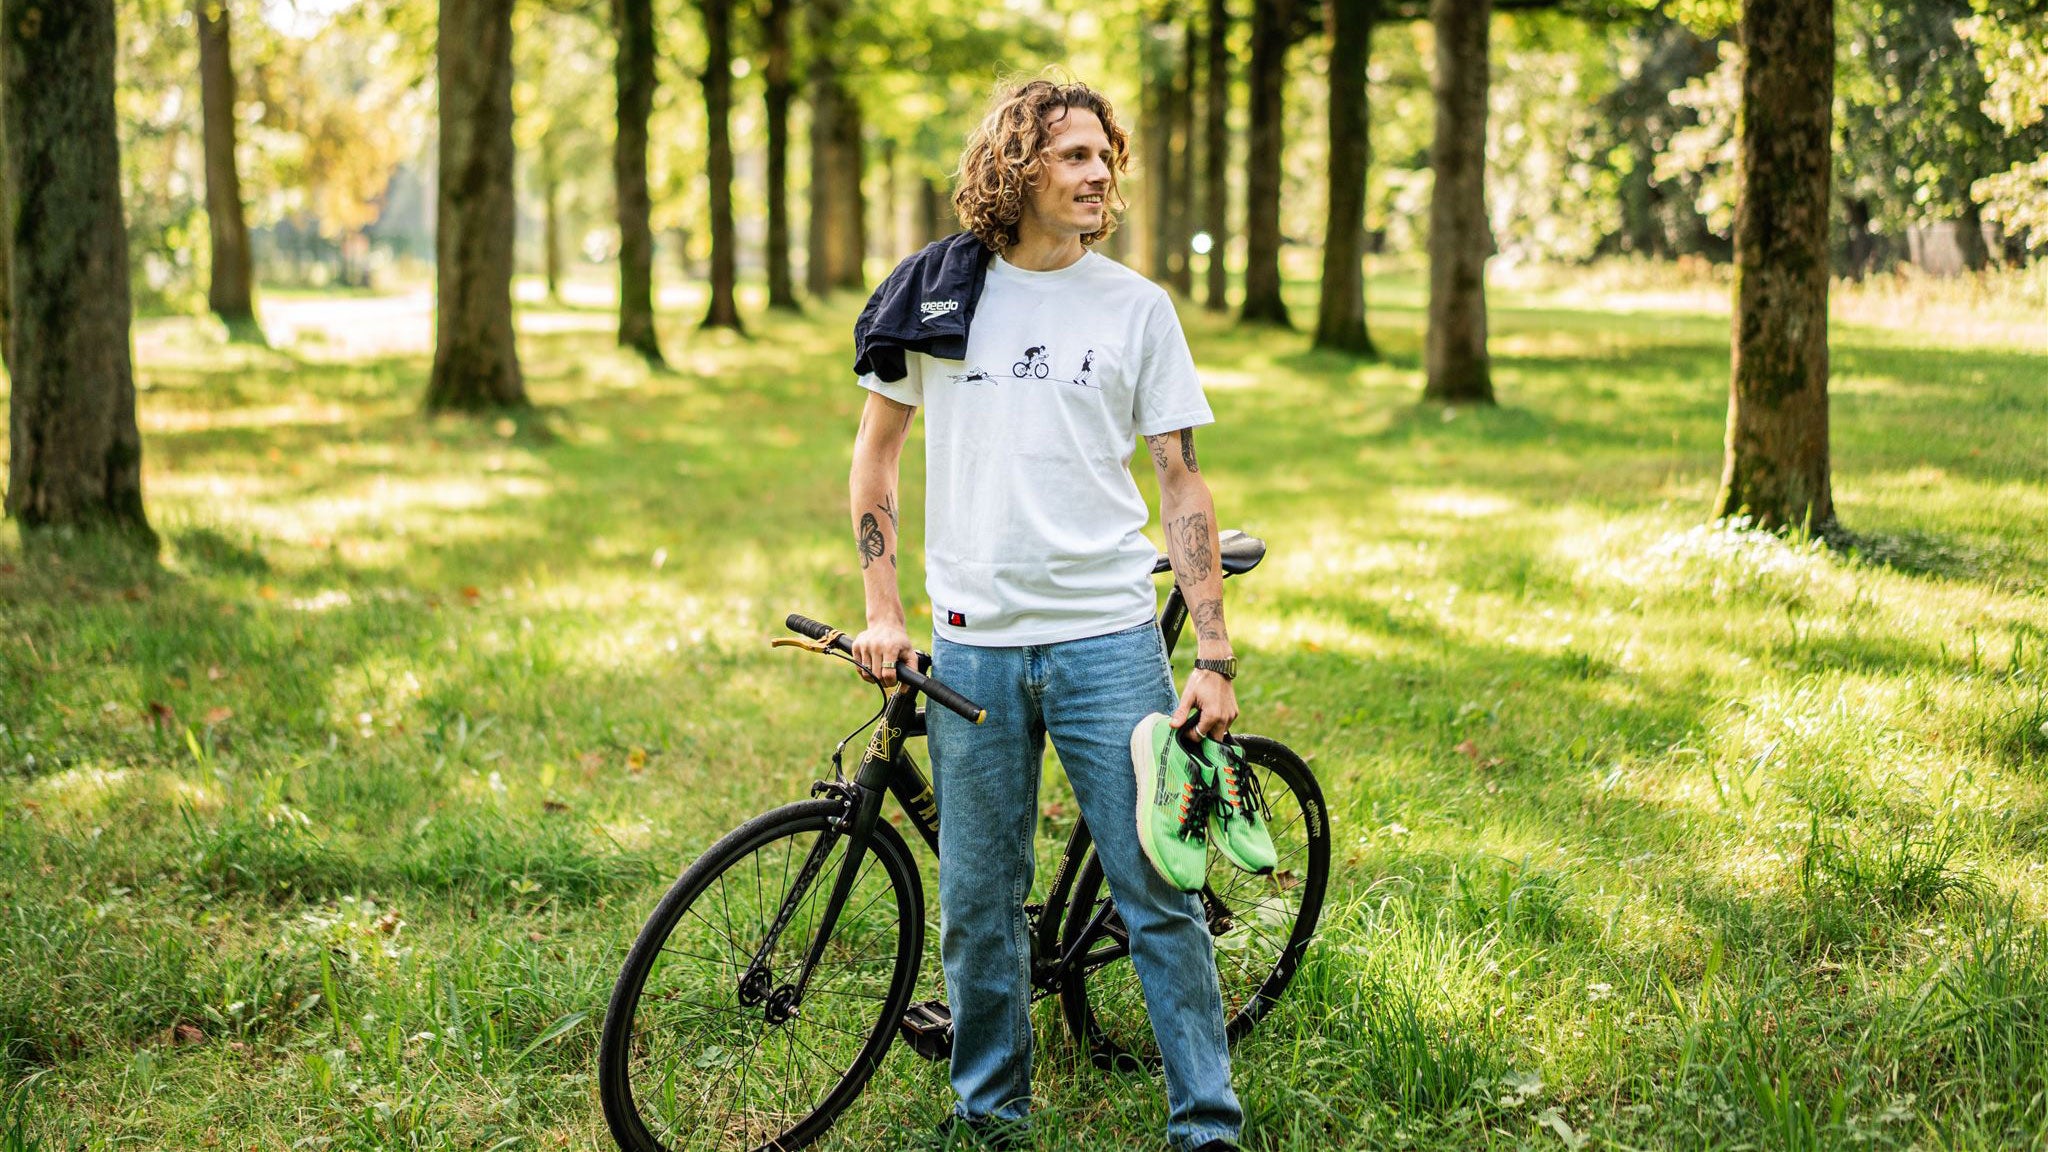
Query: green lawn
{"points": [[331, 831]]}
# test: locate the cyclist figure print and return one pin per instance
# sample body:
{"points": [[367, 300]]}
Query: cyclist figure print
{"points": [[1033, 364]]}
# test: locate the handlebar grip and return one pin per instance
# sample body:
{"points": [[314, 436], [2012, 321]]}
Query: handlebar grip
{"points": [[933, 689], [940, 694], [806, 626]]}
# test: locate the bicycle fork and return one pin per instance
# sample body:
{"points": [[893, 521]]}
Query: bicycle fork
{"points": [[860, 805]]}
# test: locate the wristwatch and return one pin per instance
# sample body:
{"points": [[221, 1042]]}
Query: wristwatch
{"points": [[1225, 668]]}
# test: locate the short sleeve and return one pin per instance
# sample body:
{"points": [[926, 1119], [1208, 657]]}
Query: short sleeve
{"points": [[1168, 395], [909, 390]]}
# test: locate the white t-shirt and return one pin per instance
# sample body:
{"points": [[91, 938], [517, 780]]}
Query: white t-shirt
{"points": [[1034, 528]]}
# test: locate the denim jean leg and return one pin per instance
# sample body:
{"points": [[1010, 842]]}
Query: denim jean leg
{"points": [[985, 779], [1096, 692]]}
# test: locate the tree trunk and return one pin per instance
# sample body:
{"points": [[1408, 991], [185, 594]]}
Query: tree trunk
{"points": [[1271, 24], [1340, 313], [76, 453], [1776, 465], [1155, 135], [228, 294], [1862, 247], [476, 362], [1180, 266], [633, 21], [939, 220], [551, 223], [781, 291], [1460, 240], [725, 309], [6, 245], [1216, 151], [838, 210]]}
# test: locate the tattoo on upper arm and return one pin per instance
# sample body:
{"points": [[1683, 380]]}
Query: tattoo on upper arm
{"points": [[1158, 446], [871, 543], [1187, 449], [889, 507], [1187, 542], [1208, 617]]}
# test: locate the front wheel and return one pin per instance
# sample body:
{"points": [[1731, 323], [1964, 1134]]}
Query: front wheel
{"points": [[1260, 925], [708, 1044]]}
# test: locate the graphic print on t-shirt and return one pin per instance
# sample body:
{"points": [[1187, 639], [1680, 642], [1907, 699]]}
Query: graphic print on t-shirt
{"points": [[1036, 365]]}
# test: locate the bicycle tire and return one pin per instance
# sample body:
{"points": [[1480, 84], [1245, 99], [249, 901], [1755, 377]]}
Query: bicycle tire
{"points": [[1021, 370], [679, 992], [1102, 1001]]}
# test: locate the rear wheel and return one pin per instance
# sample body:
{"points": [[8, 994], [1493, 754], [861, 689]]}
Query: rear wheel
{"points": [[703, 1047], [1260, 925]]}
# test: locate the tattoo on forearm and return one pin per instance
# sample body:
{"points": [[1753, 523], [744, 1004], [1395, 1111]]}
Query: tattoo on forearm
{"points": [[1158, 446], [1187, 449], [871, 543], [1208, 617], [1188, 543], [889, 508]]}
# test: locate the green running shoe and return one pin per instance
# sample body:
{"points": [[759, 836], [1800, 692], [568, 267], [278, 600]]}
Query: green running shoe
{"points": [[1175, 796], [1238, 823]]}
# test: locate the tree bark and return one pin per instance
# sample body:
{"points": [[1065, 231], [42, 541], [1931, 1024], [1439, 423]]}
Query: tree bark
{"points": [[1340, 313], [228, 294], [551, 223], [75, 451], [1155, 133], [1460, 241], [838, 209], [781, 90], [1776, 465], [938, 217], [1180, 266], [1272, 21], [476, 362], [633, 21], [1216, 152], [725, 309]]}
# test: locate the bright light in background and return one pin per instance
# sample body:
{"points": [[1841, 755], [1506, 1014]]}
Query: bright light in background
{"points": [[302, 19], [1201, 243]]}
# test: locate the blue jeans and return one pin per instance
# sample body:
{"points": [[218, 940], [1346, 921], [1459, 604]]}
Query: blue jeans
{"points": [[1088, 695]]}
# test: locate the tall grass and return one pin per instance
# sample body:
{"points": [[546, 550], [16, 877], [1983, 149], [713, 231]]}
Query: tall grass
{"points": [[331, 829]]}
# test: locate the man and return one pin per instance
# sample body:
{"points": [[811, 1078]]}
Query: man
{"points": [[1042, 598]]}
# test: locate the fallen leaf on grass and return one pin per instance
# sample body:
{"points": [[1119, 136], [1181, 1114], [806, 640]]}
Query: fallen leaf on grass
{"points": [[553, 805], [636, 761], [161, 715], [267, 592], [219, 715], [389, 923], [187, 1034], [1469, 749], [213, 672]]}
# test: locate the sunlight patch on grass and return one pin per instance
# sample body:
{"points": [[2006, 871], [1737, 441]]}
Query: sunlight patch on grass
{"points": [[1455, 503]]}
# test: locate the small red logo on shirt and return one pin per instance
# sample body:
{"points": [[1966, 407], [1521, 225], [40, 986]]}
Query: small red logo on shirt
{"points": [[956, 619]]}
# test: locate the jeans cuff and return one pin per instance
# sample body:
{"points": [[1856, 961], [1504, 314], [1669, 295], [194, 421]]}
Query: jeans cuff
{"points": [[1202, 1136]]}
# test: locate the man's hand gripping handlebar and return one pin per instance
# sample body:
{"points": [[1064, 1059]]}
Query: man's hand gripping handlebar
{"points": [[828, 639]]}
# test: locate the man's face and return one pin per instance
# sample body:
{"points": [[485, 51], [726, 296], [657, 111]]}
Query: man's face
{"points": [[1074, 180]]}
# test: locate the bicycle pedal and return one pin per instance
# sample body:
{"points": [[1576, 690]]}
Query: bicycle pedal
{"points": [[927, 1026]]}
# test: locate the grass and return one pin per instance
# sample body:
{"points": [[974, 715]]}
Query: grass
{"points": [[330, 831]]}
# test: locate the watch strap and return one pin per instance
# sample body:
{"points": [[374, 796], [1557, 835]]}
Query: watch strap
{"points": [[1224, 668]]}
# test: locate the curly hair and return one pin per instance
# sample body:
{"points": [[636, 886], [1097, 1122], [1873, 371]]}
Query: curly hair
{"points": [[1005, 155]]}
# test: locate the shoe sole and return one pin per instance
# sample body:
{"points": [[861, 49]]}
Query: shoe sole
{"points": [[1143, 760]]}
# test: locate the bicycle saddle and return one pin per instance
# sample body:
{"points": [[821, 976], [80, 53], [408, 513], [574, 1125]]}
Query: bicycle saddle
{"points": [[1241, 553]]}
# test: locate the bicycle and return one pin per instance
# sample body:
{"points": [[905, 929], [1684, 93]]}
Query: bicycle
{"points": [[771, 979]]}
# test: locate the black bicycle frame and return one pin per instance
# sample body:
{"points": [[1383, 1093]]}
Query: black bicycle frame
{"points": [[885, 769]]}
